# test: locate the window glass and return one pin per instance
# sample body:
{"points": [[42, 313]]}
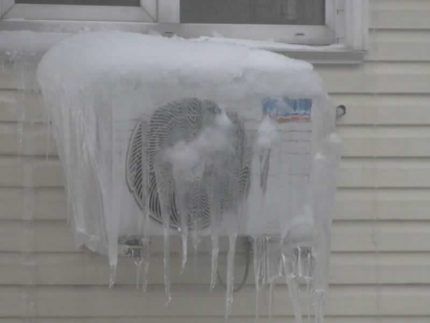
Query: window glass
{"points": [[276, 12], [85, 2]]}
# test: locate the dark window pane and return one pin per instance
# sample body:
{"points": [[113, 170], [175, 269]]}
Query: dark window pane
{"points": [[86, 2], [276, 12]]}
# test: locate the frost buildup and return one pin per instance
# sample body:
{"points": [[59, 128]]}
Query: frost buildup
{"points": [[163, 137]]}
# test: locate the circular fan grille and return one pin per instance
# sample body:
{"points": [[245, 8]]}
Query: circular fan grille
{"points": [[224, 180]]}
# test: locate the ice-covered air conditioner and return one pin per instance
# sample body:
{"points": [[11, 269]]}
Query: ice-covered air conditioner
{"points": [[194, 138]]}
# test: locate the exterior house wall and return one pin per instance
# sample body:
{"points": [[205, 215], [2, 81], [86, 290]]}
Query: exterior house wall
{"points": [[380, 265]]}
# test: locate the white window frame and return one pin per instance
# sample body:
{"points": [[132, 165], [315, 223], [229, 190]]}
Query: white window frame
{"points": [[46, 12], [346, 25], [296, 34]]}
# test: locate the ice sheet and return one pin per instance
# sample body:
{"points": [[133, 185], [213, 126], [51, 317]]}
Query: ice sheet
{"points": [[196, 138]]}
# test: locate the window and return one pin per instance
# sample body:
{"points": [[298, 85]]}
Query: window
{"points": [[305, 22], [272, 12]]}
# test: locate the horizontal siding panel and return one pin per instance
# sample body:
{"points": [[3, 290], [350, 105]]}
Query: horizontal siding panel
{"points": [[21, 105], [245, 319], [23, 79], [377, 78], [88, 269], [380, 268], [191, 302], [399, 45], [26, 139], [366, 204], [397, 204], [41, 204], [384, 110], [399, 5], [361, 109], [384, 173], [346, 236], [355, 173], [362, 141], [382, 236], [385, 141], [400, 19], [30, 172], [367, 78]]}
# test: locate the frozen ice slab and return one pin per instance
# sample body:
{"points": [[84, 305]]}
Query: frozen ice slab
{"points": [[163, 136]]}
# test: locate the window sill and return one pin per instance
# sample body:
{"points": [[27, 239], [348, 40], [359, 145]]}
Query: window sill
{"points": [[319, 55], [343, 56]]}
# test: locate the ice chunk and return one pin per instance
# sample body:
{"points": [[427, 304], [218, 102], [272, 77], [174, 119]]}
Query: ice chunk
{"points": [[196, 138]]}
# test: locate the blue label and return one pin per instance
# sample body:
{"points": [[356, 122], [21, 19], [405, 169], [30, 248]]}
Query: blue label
{"points": [[288, 110]]}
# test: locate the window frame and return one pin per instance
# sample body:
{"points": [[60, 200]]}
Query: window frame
{"points": [[169, 11], [343, 39], [146, 13]]}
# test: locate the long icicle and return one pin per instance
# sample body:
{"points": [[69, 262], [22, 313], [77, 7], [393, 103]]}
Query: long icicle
{"points": [[215, 212], [230, 274], [319, 300], [257, 274], [163, 194], [293, 290], [214, 259], [166, 263], [183, 217]]}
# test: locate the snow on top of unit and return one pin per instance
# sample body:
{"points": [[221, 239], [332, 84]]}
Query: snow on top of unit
{"points": [[91, 57]]}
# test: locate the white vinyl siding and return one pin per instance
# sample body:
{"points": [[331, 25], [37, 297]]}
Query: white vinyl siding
{"points": [[380, 265]]}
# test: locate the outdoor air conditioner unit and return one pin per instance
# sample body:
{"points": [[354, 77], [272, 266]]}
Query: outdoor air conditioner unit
{"points": [[192, 137]]}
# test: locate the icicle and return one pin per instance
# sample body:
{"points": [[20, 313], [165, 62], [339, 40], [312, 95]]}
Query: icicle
{"points": [[294, 296], [48, 135], [166, 263], [308, 280], [115, 207], [183, 215], [25, 151], [215, 214], [184, 239], [164, 186], [293, 289], [195, 238], [214, 259], [257, 274], [138, 272], [271, 295], [183, 228], [308, 300], [319, 300], [264, 270], [230, 274], [195, 215], [145, 275], [144, 220], [136, 254], [196, 210], [299, 262], [112, 275]]}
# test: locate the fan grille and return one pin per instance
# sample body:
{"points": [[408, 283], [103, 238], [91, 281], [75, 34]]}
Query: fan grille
{"points": [[223, 181]]}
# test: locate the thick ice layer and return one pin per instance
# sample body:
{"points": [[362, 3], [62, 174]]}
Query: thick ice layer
{"points": [[196, 138]]}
